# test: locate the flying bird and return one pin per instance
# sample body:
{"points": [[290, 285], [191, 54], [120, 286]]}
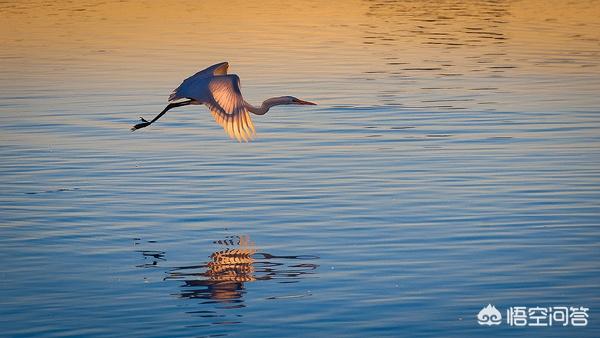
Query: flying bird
{"points": [[220, 92]]}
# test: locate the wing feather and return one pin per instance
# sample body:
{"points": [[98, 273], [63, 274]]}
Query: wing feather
{"points": [[250, 124], [239, 128], [228, 107], [230, 127], [244, 123], [184, 88], [234, 125], [221, 93]]}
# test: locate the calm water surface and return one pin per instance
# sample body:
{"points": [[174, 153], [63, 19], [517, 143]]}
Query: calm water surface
{"points": [[453, 161]]}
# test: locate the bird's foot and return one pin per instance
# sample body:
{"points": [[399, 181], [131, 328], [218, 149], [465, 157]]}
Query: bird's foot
{"points": [[140, 125]]}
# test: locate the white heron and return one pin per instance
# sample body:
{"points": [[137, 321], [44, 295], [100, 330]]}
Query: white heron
{"points": [[220, 92]]}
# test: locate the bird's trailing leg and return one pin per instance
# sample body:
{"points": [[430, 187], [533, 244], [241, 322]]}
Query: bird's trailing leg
{"points": [[169, 106]]}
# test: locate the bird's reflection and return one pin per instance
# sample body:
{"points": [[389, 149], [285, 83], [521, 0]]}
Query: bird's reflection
{"points": [[235, 262], [223, 277]]}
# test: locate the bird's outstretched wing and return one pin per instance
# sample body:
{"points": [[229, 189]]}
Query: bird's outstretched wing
{"points": [[193, 81], [229, 108]]}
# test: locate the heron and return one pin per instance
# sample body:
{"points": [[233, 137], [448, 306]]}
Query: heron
{"points": [[221, 93]]}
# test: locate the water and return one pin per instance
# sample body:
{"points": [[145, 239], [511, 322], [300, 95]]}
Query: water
{"points": [[453, 161]]}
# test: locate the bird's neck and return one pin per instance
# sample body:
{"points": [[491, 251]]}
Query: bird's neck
{"points": [[262, 110], [265, 106]]}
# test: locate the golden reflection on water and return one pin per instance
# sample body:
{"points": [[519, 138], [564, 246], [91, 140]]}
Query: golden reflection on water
{"points": [[480, 56], [88, 30]]}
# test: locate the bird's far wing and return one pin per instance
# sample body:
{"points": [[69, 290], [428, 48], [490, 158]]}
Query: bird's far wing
{"points": [[229, 108], [214, 70]]}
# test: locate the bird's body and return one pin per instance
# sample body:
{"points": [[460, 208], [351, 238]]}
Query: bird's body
{"points": [[221, 93]]}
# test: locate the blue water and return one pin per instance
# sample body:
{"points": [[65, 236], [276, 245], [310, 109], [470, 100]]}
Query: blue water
{"points": [[419, 190]]}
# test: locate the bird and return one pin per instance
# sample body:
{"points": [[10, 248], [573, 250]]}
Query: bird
{"points": [[221, 93]]}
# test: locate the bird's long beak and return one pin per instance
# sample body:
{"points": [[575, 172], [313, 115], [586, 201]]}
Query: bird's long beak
{"points": [[305, 102]]}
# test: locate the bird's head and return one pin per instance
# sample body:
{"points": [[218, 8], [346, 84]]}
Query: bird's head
{"points": [[294, 100], [283, 100]]}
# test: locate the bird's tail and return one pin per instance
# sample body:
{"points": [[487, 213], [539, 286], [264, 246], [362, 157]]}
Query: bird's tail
{"points": [[174, 96]]}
